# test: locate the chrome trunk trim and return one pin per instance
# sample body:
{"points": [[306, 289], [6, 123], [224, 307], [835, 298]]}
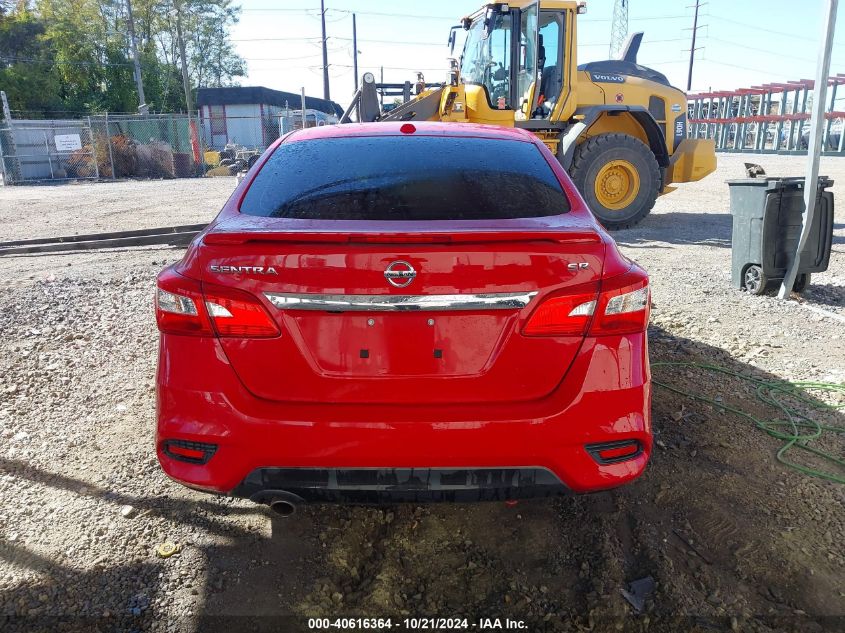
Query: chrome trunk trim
{"points": [[400, 303]]}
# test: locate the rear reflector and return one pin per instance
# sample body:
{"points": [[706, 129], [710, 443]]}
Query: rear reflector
{"points": [[614, 452], [184, 306], [191, 452], [622, 307]]}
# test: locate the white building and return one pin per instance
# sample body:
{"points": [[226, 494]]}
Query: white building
{"points": [[249, 116]]}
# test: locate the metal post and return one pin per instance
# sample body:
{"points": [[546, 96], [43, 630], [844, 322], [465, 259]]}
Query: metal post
{"points": [[841, 138], [811, 183], [142, 101], [7, 117], [302, 95], [7, 113], [49, 155], [325, 52], [829, 122], [94, 150], [780, 125], [3, 179], [355, 50], [11, 147], [381, 92], [108, 140]]}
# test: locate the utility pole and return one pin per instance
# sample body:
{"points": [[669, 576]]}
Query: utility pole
{"points": [[814, 149], [188, 100], [355, 51], [692, 49], [326, 95], [142, 101]]}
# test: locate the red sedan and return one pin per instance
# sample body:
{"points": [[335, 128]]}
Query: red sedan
{"points": [[403, 311]]}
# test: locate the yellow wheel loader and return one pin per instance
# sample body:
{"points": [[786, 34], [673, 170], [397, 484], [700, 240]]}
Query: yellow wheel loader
{"points": [[617, 127]]}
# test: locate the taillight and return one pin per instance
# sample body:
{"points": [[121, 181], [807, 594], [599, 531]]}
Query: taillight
{"points": [[238, 314], [622, 307], [179, 305], [564, 315], [184, 306], [624, 304]]}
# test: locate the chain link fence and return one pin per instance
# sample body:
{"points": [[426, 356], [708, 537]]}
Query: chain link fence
{"points": [[149, 146], [101, 147], [47, 150]]}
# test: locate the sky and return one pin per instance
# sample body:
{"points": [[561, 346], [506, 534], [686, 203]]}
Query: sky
{"points": [[743, 42]]}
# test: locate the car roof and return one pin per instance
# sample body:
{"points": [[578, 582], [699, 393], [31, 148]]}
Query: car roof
{"points": [[423, 128]]}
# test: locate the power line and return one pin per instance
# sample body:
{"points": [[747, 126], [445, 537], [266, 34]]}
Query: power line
{"points": [[279, 59], [335, 37], [603, 44], [774, 32], [758, 49], [644, 18], [443, 68], [275, 39], [744, 67], [52, 62], [349, 12]]}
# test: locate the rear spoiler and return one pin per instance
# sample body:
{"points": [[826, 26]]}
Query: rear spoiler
{"points": [[422, 237]]}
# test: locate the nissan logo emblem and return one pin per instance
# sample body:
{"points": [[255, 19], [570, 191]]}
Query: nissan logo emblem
{"points": [[399, 273]]}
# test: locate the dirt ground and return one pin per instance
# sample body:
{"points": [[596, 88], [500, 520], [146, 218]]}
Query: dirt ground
{"points": [[731, 537]]}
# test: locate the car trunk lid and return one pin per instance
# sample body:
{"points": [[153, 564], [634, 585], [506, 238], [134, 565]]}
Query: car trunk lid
{"points": [[446, 328]]}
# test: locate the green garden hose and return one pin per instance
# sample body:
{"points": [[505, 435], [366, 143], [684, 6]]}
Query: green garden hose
{"points": [[797, 431]]}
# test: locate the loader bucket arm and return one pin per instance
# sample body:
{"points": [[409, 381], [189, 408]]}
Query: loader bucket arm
{"points": [[365, 102], [424, 107]]}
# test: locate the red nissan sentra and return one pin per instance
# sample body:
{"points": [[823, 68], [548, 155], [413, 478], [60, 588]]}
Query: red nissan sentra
{"points": [[403, 311]]}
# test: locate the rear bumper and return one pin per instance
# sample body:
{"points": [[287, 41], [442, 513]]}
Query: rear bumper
{"points": [[368, 485], [259, 444]]}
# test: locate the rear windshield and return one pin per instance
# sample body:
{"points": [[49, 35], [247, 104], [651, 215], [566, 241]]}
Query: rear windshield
{"points": [[405, 178]]}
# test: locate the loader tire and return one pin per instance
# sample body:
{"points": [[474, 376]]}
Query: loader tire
{"points": [[618, 177]]}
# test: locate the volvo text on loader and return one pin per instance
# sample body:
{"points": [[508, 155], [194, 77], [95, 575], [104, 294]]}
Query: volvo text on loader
{"points": [[618, 128]]}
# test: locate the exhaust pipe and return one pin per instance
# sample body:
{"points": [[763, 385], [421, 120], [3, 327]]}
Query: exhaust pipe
{"points": [[281, 502], [282, 507]]}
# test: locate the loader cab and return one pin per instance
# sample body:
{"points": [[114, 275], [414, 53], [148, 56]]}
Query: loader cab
{"points": [[518, 53]]}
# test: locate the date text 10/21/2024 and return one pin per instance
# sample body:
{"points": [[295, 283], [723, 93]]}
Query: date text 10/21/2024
{"points": [[417, 624]]}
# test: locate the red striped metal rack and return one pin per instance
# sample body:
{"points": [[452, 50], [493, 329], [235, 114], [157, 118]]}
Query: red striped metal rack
{"points": [[771, 118]]}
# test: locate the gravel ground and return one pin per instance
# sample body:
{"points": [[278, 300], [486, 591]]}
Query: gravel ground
{"points": [[732, 539], [86, 207]]}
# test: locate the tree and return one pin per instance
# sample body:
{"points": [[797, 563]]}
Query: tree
{"points": [[212, 62], [75, 55], [27, 74]]}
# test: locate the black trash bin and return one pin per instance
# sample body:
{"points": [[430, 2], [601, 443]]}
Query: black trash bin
{"points": [[767, 217]]}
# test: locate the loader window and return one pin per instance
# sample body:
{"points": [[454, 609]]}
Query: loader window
{"points": [[486, 60], [416, 178], [527, 72], [551, 68]]}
